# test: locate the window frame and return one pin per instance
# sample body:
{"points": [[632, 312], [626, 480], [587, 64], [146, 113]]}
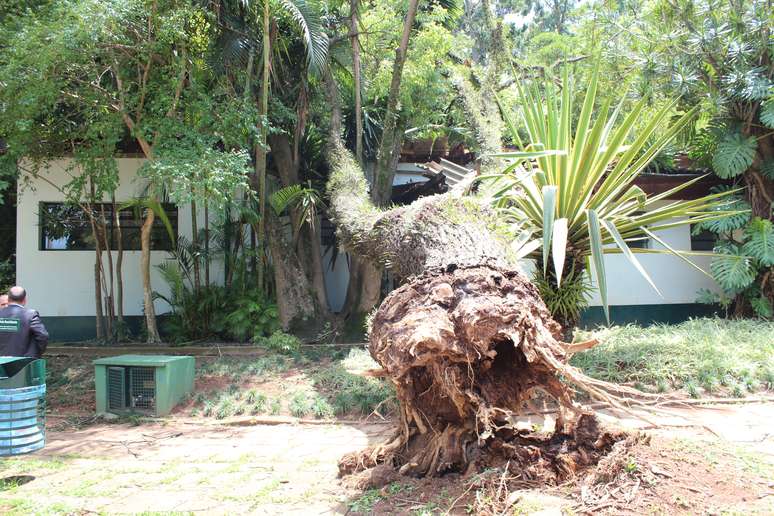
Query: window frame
{"points": [[172, 210]]}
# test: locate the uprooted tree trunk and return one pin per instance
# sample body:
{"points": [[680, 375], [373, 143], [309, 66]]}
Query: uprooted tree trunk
{"points": [[466, 341]]}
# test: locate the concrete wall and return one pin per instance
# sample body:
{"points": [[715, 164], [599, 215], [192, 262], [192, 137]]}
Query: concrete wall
{"points": [[61, 283], [677, 281]]}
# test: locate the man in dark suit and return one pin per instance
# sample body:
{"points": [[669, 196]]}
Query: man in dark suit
{"points": [[22, 333]]}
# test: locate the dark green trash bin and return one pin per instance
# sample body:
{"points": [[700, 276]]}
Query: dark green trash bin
{"points": [[22, 405]]}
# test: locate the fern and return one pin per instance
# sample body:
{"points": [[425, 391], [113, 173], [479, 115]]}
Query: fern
{"points": [[767, 113], [760, 243], [734, 155], [733, 271]]}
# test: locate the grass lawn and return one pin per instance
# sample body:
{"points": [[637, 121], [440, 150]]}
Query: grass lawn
{"points": [[702, 357], [312, 384], [706, 356]]}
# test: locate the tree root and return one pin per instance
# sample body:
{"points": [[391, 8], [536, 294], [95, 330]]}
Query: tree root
{"points": [[468, 350]]}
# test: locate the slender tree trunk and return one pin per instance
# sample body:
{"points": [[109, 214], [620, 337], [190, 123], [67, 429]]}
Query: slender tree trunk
{"points": [[110, 297], [206, 243], [353, 28], [98, 284], [260, 148], [384, 174], [119, 264], [98, 297], [195, 242], [150, 311]]}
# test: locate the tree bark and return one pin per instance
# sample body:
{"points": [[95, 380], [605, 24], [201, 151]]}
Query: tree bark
{"points": [[295, 302], [260, 149], [308, 249], [207, 244], [195, 243], [355, 42], [147, 289], [384, 174], [119, 265]]}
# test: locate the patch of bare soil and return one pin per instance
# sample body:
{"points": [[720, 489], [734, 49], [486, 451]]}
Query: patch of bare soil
{"points": [[645, 474]]}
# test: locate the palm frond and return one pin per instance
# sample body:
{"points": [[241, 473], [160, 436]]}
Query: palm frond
{"points": [[306, 13]]}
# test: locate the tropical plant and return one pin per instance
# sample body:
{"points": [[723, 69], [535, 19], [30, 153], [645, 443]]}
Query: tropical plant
{"points": [[725, 51], [744, 250], [305, 200], [571, 187], [252, 317], [278, 341]]}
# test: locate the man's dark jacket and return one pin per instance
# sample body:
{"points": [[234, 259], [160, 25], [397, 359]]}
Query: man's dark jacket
{"points": [[22, 333]]}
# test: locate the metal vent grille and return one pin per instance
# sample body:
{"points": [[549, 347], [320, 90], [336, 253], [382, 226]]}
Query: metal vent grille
{"points": [[116, 388], [142, 388]]}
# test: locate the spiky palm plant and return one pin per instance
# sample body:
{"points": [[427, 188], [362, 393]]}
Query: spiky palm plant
{"points": [[572, 188]]}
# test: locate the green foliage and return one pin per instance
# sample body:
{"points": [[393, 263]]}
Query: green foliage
{"points": [[760, 241], [732, 270], [347, 392], [737, 219], [211, 311], [7, 275], [567, 301], [572, 184], [734, 155], [251, 317], [279, 342], [767, 169], [762, 307], [767, 113], [305, 200], [741, 258]]}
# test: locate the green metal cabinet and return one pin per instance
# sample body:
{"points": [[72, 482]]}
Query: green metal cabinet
{"points": [[142, 384]]}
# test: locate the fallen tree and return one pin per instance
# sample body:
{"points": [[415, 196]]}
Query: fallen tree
{"points": [[466, 340]]}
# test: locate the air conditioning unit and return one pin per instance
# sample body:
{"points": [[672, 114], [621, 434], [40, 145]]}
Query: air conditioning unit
{"points": [[142, 384]]}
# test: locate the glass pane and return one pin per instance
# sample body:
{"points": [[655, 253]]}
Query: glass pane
{"points": [[64, 227]]}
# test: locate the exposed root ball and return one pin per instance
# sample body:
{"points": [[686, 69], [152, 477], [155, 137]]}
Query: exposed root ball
{"points": [[467, 350]]}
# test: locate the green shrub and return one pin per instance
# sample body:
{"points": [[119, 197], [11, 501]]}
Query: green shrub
{"points": [[279, 342], [252, 316], [259, 404]]}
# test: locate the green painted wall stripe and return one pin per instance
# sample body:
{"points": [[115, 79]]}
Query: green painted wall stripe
{"points": [[645, 315]]}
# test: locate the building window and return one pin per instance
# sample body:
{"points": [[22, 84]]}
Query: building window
{"points": [[703, 240], [64, 227]]}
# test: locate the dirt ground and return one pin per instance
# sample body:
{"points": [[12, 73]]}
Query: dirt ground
{"points": [[717, 460]]}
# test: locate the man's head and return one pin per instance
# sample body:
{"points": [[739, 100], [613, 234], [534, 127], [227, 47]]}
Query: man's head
{"points": [[3, 300], [17, 295]]}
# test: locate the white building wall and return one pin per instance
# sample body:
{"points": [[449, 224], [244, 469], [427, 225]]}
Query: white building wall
{"points": [[677, 281], [61, 283]]}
